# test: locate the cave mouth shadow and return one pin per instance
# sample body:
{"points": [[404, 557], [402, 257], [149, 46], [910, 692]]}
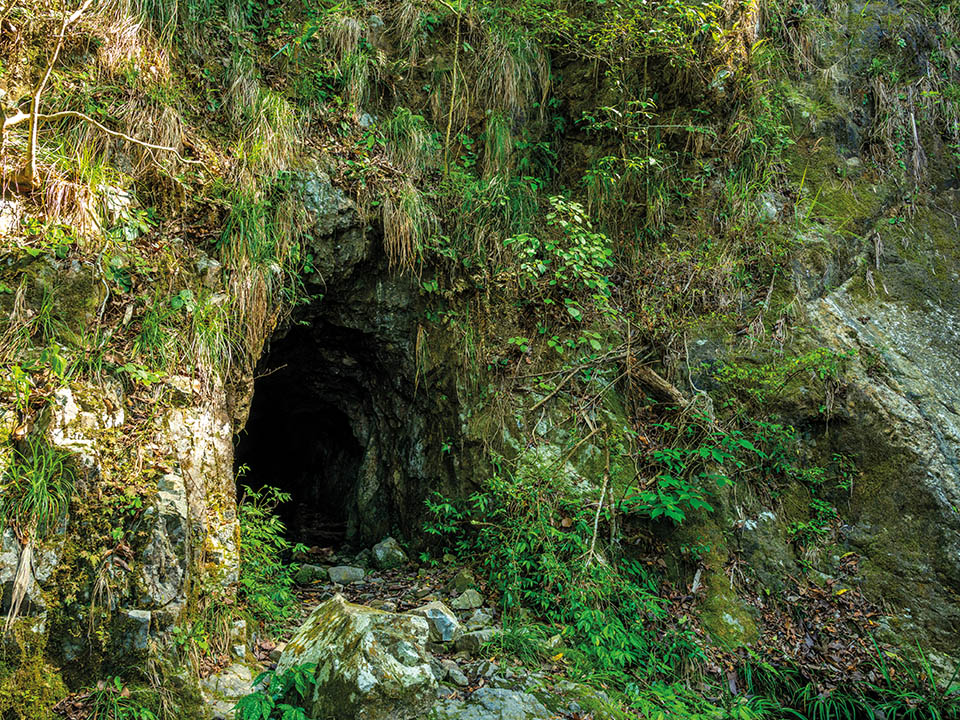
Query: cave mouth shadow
{"points": [[306, 434]]}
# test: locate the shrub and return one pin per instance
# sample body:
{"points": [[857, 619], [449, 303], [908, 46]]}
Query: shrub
{"points": [[265, 581]]}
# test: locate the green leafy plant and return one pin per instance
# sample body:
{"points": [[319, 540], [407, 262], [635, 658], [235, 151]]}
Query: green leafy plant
{"points": [[539, 551], [265, 581], [278, 694]]}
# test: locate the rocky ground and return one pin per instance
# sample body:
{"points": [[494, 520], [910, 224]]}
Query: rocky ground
{"points": [[448, 658]]}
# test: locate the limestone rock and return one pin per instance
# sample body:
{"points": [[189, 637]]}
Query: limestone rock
{"points": [[469, 600], [344, 574], [371, 665], [388, 554], [444, 626], [489, 703], [223, 689], [463, 580], [471, 642], [134, 630], [310, 573], [163, 568], [479, 620], [454, 673]]}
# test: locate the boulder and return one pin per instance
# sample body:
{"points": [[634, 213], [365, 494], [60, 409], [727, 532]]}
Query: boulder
{"points": [[222, 690], [388, 554], [479, 620], [469, 600], [370, 665], [444, 626], [454, 673], [463, 580], [489, 703], [310, 574], [344, 574], [471, 642]]}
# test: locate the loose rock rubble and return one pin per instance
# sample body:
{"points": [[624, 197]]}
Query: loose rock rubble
{"points": [[430, 627]]}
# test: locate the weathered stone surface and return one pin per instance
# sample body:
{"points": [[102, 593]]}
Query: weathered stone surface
{"points": [[468, 600], [308, 573], [462, 581], [766, 548], [42, 565], [199, 437], [478, 620], [133, 630], [163, 567], [444, 626], [345, 574], [489, 703], [471, 642], [388, 554], [223, 689], [900, 421], [454, 673], [371, 665]]}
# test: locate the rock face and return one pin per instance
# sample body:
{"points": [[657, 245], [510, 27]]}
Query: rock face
{"points": [[900, 418], [344, 574], [370, 664]]}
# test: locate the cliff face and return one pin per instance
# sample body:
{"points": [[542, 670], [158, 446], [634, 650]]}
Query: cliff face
{"points": [[371, 253]]}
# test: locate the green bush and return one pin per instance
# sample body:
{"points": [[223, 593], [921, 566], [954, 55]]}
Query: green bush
{"points": [[272, 700], [540, 553], [266, 582]]}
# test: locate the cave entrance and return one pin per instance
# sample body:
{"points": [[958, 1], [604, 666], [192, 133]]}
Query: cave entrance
{"points": [[309, 432]]}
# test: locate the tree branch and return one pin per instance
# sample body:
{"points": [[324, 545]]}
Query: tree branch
{"points": [[35, 106]]}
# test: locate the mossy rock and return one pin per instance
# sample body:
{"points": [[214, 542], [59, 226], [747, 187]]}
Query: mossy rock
{"points": [[370, 664]]}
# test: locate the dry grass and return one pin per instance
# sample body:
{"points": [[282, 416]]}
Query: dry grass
{"points": [[408, 25], [271, 138], [243, 88], [125, 44], [408, 223], [513, 72]]}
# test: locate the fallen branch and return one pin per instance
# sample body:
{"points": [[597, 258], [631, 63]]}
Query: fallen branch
{"points": [[661, 390]]}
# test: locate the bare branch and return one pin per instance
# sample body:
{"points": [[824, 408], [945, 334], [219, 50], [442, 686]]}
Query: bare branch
{"points": [[35, 107], [117, 133]]}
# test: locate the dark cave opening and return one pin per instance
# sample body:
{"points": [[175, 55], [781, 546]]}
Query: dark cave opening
{"points": [[308, 432]]}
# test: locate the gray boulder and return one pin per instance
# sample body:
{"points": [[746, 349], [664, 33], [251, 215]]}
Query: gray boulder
{"points": [[310, 574], [371, 665], [479, 620], [463, 580], [344, 574], [388, 554], [471, 642], [469, 600], [222, 690], [444, 626], [454, 673]]}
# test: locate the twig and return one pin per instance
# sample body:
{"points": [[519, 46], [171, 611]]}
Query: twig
{"points": [[22, 117], [603, 495], [35, 105]]}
